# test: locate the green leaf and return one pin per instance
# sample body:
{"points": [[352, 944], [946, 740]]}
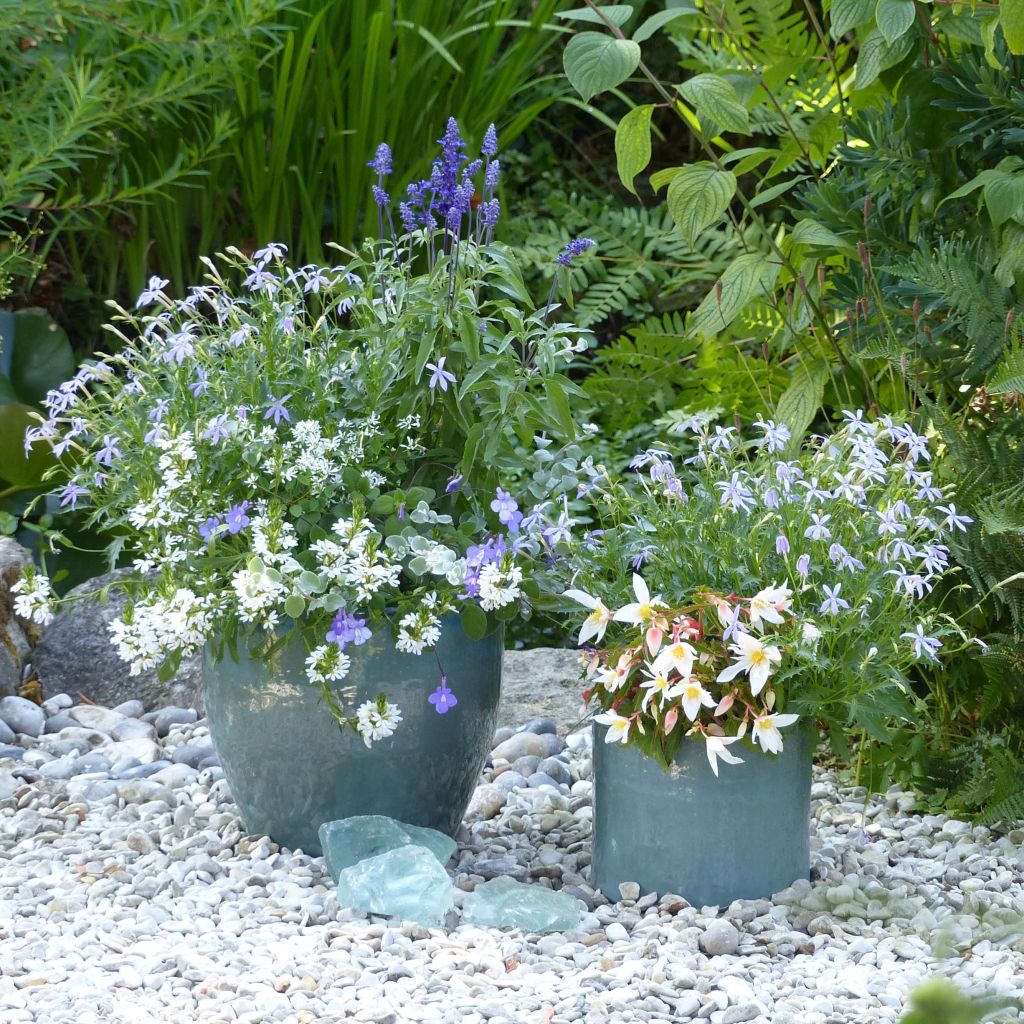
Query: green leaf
{"points": [[659, 179], [876, 55], [698, 196], [474, 621], [660, 20], [802, 399], [294, 606], [41, 357], [809, 232], [618, 14], [1011, 20], [847, 14], [633, 144], [559, 404], [1004, 197], [595, 62], [1008, 377], [750, 276], [17, 469], [894, 17], [776, 190], [717, 101]]}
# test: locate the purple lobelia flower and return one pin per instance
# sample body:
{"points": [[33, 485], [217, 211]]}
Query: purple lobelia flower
{"points": [[277, 410], [236, 518], [575, 248], [348, 629], [440, 377], [442, 698], [508, 510], [106, 455], [153, 291], [209, 528], [454, 483], [71, 494], [199, 386]]}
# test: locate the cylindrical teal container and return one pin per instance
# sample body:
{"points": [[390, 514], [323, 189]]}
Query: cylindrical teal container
{"points": [[743, 835], [290, 767]]}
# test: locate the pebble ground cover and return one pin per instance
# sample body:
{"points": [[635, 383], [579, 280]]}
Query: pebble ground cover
{"points": [[129, 891]]}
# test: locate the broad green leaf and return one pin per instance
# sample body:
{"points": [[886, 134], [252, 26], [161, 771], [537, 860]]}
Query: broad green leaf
{"points": [[474, 620], [975, 183], [698, 196], [894, 17], [847, 14], [1011, 255], [876, 55], [746, 159], [660, 20], [716, 100], [618, 14], [802, 399], [595, 62], [6, 391], [41, 357], [559, 405], [1011, 19], [294, 606], [809, 232], [659, 179], [749, 277], [633, 144], [1004, 197], [17, 469]]}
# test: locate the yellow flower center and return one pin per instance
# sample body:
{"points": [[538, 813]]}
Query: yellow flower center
{"points": [[645, 611], [765, 725], [692, 691], [595, 616], [758, 658]]}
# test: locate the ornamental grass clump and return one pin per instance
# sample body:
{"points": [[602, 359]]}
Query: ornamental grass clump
{"points": [[320, 450], [739, 585]]}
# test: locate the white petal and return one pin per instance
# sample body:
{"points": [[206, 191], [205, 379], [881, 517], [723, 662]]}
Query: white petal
{"points": [[581, 598]]}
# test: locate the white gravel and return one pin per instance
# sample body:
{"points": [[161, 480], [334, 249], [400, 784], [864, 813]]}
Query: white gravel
{"points": [[142, 900]]}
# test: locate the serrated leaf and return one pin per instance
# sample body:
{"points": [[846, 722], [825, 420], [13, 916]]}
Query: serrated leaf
{"points": [[716, 100], [618, 14], [660, 20], [595, 62], [1011, 20], [698, 196], [633, 144], [802, 399], [877, 55], [894, 17], [847, 14], [749, 277]]}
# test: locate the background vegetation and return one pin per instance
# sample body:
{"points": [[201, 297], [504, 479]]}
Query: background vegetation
{"points": [[800, 207]]}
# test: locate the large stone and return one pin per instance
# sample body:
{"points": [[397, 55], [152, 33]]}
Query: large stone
{"points": [[407, 882], [75, 656], [16, 635], [348, 841], [23, 716], [543, 683], [506, 903]]}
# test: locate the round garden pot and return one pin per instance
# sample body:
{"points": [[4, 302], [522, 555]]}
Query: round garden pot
{"points": [[291, 768], [743, 835]]}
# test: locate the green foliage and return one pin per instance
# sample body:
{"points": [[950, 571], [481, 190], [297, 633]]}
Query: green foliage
{"points": [[940, 1002]]}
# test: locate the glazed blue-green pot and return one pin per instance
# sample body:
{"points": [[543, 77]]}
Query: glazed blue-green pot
{"points": [[291, 768], [743, 835]]}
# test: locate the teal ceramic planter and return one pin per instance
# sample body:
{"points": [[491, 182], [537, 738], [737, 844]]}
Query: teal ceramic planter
{"points": [[290, 767], [744, 835]]}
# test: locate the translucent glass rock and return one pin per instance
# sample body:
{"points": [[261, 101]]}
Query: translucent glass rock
{"points": [[406, 882], [505, 903], [348, 841]]}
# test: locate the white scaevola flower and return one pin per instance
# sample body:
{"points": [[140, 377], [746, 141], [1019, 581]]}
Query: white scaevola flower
{"points": [[618, 727], [766, 731], [374, 724], [596, 622], [679, 656], [754, 657], [767, 605], [642, 610], [694, 697], [716, 750]]}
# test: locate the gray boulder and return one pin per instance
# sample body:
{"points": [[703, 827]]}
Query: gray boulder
{"points": [[543, 683], [75, 656], [16, 635]]}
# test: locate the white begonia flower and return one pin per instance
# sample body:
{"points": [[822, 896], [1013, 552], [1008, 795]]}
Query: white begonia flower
{"points": [[694, 697], [716, 751], [767, 605], [643, 609], [596, 623], [657, 685], [679, 656], [618, 727], [755, 658], [766, 731]]}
